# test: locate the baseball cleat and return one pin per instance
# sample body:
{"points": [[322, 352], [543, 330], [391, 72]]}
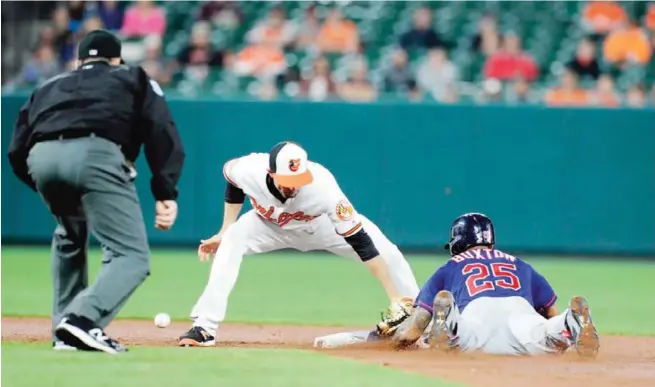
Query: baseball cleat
{"points": [[197, 337], [581, 326], [59, 345], [441, 336], [83, 334]]}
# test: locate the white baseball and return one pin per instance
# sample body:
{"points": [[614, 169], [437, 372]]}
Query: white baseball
{"points": [[162, 320]]}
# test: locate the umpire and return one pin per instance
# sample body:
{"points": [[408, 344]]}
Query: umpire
{"points": [[75, 143]]}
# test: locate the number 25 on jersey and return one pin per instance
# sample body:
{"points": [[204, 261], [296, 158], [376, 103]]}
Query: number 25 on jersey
{"points": [[502, 276]]}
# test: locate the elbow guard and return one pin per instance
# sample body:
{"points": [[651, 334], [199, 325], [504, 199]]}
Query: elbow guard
{"points": [[234, 194], [363, 245]]}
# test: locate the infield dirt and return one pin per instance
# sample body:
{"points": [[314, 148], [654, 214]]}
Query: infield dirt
{"points": [[623, 360]]}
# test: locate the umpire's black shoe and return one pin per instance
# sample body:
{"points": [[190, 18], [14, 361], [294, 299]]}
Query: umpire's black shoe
{"points": [[81, 333], [197, 337]]}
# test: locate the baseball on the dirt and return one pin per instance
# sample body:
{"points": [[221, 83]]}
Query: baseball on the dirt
{"points": [[162, 320]]}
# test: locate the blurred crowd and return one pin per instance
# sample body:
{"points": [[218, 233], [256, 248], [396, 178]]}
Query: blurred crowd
{"points": [[613, 43]]}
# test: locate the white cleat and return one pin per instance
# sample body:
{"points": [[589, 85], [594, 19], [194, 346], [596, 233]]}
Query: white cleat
{"points": [[59, 345]]}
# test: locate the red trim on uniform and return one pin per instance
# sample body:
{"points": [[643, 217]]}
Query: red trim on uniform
{"points": [[225, 173], [551, 302], [352, 230], [424, 306]]}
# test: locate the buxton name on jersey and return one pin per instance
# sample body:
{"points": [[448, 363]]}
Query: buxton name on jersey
{"points": [[487, 273]]}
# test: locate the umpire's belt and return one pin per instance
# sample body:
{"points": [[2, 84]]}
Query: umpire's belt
{"points": [[72, 134], [67, 135]]}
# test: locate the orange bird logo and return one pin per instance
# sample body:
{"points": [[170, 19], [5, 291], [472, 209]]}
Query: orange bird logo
{"points": [[294, 165]]}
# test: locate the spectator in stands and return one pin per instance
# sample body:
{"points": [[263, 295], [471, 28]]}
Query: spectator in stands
{"points": [[319, 85], [111, 13], [487, 40], [422, 35], [289, 80], [357, 88], [46, 38], [199, 51], [90, 24], [358, 55], [64, 36], [511, 62], [338, 35], [628, 44], [491, 92], [144, 18], [437, 75], [276, 30], [604, 94], [568, 93], [265, 60], [601, 17], [267, 90], [585, 65], [153, 63], [451, 96], [636, 96], [398, 76], [222, 14], [309, 29], [649, 20], [414, 93], [519, 92], [77, 14], [43, 65]]}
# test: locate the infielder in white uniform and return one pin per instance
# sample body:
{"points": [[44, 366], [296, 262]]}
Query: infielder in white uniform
{"points": [[486, 300], [296, 204]]}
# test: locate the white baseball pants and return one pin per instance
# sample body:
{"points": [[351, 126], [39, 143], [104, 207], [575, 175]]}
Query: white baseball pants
{"points": [[497, 326], [251, 235], [507, 326]]}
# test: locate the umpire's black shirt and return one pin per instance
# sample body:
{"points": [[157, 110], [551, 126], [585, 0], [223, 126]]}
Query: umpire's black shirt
{"points": [[118, 103]]}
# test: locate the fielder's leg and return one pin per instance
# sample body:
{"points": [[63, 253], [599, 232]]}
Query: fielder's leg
{"points": [[249, 235]]}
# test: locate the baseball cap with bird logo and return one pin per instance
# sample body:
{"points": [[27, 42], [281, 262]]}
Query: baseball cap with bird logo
{"points": [[289, 166]]}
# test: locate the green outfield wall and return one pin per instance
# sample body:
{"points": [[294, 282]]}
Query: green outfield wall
{"points": [[553, 180]]}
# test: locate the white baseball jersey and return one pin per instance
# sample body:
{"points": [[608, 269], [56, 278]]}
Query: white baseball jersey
{"points": [[318, 218], [322, 197]]}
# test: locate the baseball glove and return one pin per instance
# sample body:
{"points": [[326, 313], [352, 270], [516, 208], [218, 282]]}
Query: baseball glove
{"points": [[398, 311]]}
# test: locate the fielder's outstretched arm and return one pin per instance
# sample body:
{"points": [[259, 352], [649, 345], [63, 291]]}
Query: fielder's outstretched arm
{"points": [[411, 329], [348, 223], [380, 270]]}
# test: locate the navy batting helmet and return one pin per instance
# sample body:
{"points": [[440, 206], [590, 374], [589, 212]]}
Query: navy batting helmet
{"points": [[470, 230]]}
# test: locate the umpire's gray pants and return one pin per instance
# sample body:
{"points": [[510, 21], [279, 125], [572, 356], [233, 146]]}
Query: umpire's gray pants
{"points": [[86, 185]]}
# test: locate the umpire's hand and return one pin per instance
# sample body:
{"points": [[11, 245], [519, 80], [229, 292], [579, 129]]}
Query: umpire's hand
{"points": [[166, 214]]}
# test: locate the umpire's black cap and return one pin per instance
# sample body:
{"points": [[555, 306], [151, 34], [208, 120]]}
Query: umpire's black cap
{"points": [[99, 44]]}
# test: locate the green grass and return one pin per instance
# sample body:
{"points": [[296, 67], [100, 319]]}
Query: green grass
{"points": [[275, 288], [322, 289], [37, 365]]}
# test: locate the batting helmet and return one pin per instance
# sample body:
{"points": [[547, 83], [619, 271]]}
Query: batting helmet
{"points": [[470, 230]]}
